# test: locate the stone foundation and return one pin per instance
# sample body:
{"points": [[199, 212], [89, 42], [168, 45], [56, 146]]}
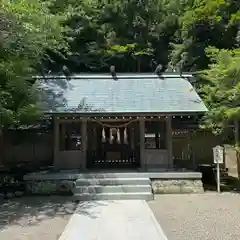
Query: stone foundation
{"points": [[50, 187], [160, 186], [63, 183]]}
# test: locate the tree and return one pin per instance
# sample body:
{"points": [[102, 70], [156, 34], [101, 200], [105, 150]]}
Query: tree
{"points": [[222, 93], [204, 23], [27, 31], [128, 34]]}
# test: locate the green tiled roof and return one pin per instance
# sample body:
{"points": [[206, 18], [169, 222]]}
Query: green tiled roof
{"points": [[127, 93]]}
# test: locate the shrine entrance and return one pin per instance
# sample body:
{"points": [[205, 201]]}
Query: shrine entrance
{"points": [[113, 144]]}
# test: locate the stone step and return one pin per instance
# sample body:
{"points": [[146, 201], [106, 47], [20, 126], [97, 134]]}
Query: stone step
{"points": [[114, 196], [112, 181], [112, 175], [113, 189]]}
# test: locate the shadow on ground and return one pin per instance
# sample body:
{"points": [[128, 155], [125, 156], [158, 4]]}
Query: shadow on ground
{"points": [[231, 185], [209, 179], [33, 210]]}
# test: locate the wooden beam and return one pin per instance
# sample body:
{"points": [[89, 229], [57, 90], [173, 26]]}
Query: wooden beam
{"points": [[125, 114], [169, 141], [97, 120]]}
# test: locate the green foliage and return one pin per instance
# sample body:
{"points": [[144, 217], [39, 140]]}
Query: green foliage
{"points": [[205, 23], [222, 93], [127, 34], [27, 30]]}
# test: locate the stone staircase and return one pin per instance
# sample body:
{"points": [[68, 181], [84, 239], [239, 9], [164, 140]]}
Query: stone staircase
{"points": [[113, 187]]}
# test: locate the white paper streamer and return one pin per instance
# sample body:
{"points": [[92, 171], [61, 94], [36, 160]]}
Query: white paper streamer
{"points": [[103, 135], [111, 136], [125, 136], [118, 136]]}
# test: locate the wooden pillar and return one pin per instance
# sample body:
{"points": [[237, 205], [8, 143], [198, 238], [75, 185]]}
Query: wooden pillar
{"points": [[84, 143], [142, 144], [56, 142], [169, 141]]}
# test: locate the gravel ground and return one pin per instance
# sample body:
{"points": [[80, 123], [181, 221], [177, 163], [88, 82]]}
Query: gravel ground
{"points": [[34, 218], [207, 216]]}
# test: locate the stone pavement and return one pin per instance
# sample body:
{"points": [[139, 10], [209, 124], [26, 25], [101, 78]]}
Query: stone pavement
{"points": [[113, 220]]}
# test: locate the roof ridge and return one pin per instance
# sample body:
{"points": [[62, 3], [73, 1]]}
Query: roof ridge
{"points": [[118, 76]]}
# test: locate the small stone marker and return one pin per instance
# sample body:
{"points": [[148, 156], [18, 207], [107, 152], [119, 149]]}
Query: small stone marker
{"points": [[218, 155]]}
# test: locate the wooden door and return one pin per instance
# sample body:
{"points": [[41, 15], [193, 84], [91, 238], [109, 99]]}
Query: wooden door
{"points": [[113, 147]]}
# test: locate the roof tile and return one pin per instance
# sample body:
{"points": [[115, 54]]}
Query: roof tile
{"points": [[128, 94]]}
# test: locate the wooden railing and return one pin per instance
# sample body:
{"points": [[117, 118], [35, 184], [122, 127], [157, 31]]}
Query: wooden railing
{"points": [[97, 159]]}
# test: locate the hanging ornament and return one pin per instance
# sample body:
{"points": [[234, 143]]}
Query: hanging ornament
{"points": [[118, 136], [111, 136], [125, 136], [103, 135]]}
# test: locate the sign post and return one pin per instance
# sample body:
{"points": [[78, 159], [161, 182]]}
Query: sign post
{"points": [[218, 159]]}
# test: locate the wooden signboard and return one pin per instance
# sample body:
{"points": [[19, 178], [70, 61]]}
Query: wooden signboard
{"points": [[218, 154]]}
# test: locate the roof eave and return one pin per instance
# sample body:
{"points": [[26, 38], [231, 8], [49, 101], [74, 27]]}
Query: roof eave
{"points": [[136, 114]]}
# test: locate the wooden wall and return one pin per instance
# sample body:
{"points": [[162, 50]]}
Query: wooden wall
{"points": [[28, 146], [193, 147], [190, 148]]}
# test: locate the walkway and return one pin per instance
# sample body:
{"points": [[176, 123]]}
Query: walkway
{"points": [[113, 220]]}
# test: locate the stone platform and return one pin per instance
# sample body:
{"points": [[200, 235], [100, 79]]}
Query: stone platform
{"points": [[161, 181]]}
